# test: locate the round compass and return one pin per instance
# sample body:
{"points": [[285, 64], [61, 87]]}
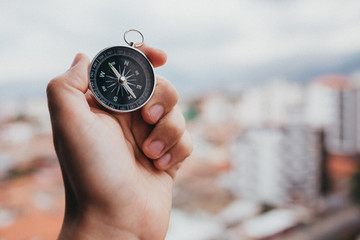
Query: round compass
{"points": [[121, 78]]}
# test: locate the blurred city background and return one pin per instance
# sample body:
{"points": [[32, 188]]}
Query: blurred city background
{"points": [[270, 91]]}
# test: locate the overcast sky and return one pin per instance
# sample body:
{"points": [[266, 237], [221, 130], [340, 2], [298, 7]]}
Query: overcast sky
{"points": [[206, 40]]}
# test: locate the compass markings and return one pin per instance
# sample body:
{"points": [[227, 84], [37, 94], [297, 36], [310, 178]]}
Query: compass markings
{"points": [[114, 88], [112, 85], [111, 77], [122, 74], [130, 76], [128, 73]]}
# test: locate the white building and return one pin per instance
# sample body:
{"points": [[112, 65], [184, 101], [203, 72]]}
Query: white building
{"points": [[216, 109], [355, 81], [272, 104], [330, 104], [277, 166]]}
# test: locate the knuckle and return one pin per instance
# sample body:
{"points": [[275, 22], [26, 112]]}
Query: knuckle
{"points": [[177, 166], [177, 125], [173, 93], [175, 129], [183, 148], [188, 146], [52, 86], [170, 93], [173, 124]]}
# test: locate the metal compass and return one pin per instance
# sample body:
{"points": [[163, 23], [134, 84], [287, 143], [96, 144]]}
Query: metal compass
{"points": [[121, 78]]}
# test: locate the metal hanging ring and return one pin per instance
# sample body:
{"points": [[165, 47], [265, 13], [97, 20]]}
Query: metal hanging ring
{"points": [[132, 44]]}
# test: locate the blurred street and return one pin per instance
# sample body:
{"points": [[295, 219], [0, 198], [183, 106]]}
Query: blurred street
{"points": [[274, 162]]}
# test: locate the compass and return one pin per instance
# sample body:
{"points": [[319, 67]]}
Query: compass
{"points": [[121, 78]]}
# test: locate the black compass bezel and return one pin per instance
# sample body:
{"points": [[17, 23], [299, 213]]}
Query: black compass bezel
{"points": [[137, 57]]}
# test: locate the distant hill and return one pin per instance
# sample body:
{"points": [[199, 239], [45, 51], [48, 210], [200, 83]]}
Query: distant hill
{"points": [[305, 68], [300, 69], [23, 90]]}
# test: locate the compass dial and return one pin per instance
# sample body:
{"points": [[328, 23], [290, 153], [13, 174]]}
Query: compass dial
{"points": [[121, 78]]}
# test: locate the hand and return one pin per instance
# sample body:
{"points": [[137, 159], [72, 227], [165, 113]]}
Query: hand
{"points": [[118, 169]]}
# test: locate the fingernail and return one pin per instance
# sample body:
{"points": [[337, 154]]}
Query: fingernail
{"points": [[156, 112], [76, 60], [164, 161], [156, 147]]}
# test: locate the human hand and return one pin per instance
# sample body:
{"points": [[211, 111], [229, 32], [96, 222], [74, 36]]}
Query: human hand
{"points": [[118, 168]]}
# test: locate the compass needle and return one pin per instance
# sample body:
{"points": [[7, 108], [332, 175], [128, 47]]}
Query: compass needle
{"points": [[114, 70], [126, 89], [129, 90]]}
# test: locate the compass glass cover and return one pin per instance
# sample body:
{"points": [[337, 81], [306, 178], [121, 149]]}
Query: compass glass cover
{"points": [[121, 78]]}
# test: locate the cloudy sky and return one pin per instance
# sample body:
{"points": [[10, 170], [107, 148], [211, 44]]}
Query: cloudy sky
{"points": [[209, 43]]}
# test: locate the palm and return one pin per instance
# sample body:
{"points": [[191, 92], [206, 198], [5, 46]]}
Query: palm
{"points": [[116, 169]]}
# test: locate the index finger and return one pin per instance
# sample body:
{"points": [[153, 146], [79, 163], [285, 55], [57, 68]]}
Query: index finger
{"points": [[156, 56]]}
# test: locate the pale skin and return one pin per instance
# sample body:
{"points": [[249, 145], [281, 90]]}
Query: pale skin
{"points": [[118, 168]]}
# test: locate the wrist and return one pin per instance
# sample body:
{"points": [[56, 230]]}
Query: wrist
{"points": [[93, 227]]}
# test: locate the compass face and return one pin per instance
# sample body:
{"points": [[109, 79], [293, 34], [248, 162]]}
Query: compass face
{"points": [[121, 78]]}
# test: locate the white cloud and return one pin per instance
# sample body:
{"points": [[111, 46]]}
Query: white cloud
{"points": [[39, 38]]}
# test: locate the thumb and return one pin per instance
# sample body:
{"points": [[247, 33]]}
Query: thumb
{"points": [[156, 56], [77, 58], [66, 93]]}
